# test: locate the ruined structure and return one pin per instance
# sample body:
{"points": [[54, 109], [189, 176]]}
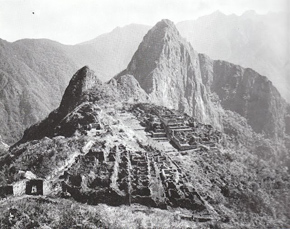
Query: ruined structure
{"points": [[34, 187], [121, 176], [183, 132]]}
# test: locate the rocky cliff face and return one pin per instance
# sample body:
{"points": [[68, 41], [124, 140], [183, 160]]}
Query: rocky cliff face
{"points": [[167, 68], [248, 93], [176, 76]]}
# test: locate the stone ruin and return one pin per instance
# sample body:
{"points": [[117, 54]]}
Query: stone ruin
{"points": [[146, 177], [183, 132], [118, 175], [34, 187]]}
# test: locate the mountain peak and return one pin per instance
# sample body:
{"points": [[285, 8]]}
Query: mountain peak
{"points": [[74, 98], [160, 32], [217, 13], [165, 23], [164, 26], [83, 80], [166, 68], [155, 48]]}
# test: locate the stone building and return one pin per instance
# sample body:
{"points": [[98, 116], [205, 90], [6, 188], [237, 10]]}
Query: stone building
{"points": [[34, 187]]}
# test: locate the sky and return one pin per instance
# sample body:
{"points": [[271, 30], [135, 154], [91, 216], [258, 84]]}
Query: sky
{"points": [[75, 21]]}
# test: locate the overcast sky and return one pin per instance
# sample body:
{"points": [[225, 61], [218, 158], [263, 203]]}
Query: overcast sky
{"points": [[74, 21]]}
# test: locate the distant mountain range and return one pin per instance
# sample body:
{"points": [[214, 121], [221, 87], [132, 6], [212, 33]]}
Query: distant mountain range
{"points": [[35, 72], [251, 40]]}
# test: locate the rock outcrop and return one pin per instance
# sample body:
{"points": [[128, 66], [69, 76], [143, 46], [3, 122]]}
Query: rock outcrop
{"points": [[128, 88], [167, 71], [81, 83]]}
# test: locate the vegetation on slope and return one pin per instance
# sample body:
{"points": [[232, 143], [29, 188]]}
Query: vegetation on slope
{"points": [[240, 186], [31, 212]]}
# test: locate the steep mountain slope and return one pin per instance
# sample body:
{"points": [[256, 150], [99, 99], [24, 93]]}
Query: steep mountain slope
{"points": [[98, 148], [248, 93], [176, 76], [81, 82], [256, 41], [33, 77], [165, 67], [34, 73]]}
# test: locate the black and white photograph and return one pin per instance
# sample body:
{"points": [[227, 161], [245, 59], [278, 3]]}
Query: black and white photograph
{"points": [[136, 114]]}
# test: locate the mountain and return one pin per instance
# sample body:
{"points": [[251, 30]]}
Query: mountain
{"points": [[204, 143], [82, 82], [174, 75], [249, 94], [103, 149], [34, 73], [85, 115], [114, 49], [165, 67], [250, 40], [33, 77]]}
